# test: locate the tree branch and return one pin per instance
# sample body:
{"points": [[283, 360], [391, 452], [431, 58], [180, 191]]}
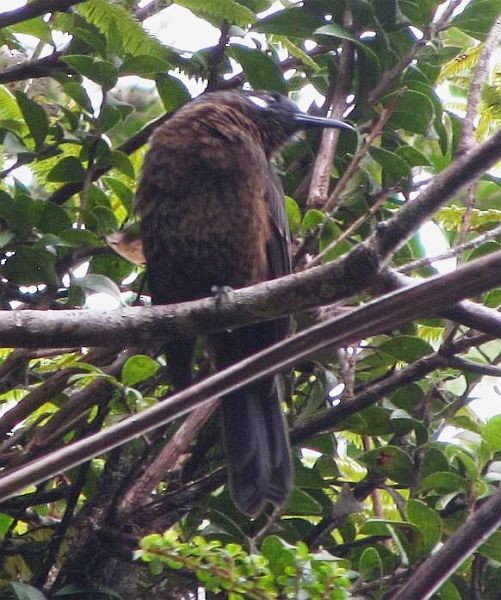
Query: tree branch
{"points": [[35, 9], [373, 318], [467, 139]]}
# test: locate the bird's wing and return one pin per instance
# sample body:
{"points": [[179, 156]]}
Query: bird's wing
{"points": [[278, 246]]}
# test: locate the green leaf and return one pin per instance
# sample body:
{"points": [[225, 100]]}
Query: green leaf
{"points": [[100, 71], [406, 348], [144, 65], [334, 30], [173, 92], [391, 462], [233, 12], [492, 433], [122, 162], [35, 118], [23, 591], [444, 482], [67, 169], [53, 219], [492, 547], [138, 368], [427, 520], [301, 503], [414, 112], [30, 267], [477, 18], [293, 213], [312, 219], [262, 72], [395, 169], [78, 93], [294, 22], [370, 566]]}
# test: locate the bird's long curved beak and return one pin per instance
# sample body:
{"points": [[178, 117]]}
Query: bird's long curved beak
{"points": [[310, 121]]}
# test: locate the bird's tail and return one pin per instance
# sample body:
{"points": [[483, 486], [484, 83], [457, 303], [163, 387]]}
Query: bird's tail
{"points": [[257, 447]]}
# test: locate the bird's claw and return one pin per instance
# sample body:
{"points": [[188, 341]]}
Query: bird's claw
{"points": [[221, 293]]}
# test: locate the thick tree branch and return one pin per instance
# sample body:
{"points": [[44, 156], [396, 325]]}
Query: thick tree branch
{"points": [[34, 9], [375, 317]]}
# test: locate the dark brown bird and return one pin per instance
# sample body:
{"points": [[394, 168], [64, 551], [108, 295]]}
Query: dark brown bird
{"points": [[213, 215]]}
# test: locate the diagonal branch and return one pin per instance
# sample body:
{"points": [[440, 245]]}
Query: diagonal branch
{"points": [[373, 318]]}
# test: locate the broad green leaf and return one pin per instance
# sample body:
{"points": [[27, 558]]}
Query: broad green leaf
{"points": [[122, 162], [492, 433], [312, 219], [414, 112], [301, 503], [138, 368], [370, 566], [477, 17], [172, 91], [444, 482], [427, 521], [406, 348], [53, 219], [260, 69], [144, 65], [23, 591], [294, 22], [391, 462], [337, 31], [30, 267], [67, 169], [35, 118], [395, 169]]}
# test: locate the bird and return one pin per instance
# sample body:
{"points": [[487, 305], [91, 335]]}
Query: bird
{"points": [[212, 217]]}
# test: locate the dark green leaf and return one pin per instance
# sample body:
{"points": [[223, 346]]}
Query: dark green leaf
{"points": [[35, 118], [144, 65], [122, 162], [406, 348], [173, 92], [477, 17], [334, 30], [444, 482], [30, 267], [370, 566], [295, 22], [391, 462], [53, 219], [261, 70], [395, 169], [67, 169], [427, 521]]}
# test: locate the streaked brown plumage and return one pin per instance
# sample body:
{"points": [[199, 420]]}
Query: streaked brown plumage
{"points": [[213, 215]]}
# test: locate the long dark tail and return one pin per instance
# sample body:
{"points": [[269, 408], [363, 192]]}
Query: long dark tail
{"points": [[255, 434], [257, 447]]}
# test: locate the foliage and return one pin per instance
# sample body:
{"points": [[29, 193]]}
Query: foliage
{"points": [[280, 571], [375, 494]]}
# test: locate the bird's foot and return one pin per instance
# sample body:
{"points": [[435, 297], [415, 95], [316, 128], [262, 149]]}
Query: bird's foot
{"points": [[221, 293]]}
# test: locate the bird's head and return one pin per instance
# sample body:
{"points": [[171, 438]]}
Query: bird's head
{"points": [[273, 115]]}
